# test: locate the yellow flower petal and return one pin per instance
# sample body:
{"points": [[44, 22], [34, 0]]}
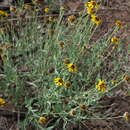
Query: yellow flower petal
{"points": [[101, 86], [115, 40], [59, 81], [2, 102], [95, 19], [46, 10], [72, 68]]}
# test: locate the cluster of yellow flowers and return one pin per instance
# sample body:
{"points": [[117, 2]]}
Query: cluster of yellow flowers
{"points": [[115, 39], [91, 6], [71, 68], [91, 9], [101, 86], [60, 82]]}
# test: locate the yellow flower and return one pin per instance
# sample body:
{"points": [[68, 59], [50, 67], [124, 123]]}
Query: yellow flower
{"points": [[95, 19], [71, 19], [46, 10], [2, 102], [126, 116], [59, 81], [3, 13], [67, 84], [42, 120], [72, 67], [91, 4], [90, 11], [101, 86], [115, 40], [118, 23]]}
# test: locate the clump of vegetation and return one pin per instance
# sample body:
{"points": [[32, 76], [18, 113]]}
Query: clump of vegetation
{"points": [[55, 70]]}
